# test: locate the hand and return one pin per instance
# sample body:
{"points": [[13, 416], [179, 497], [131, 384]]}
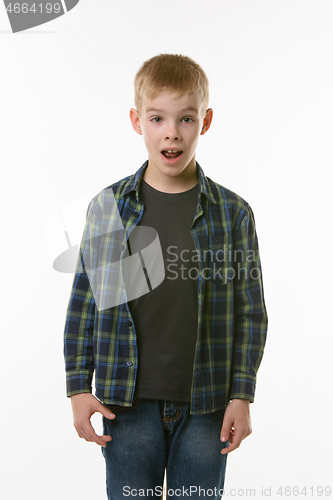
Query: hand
{"points": [[236, 424], [84, 405]]}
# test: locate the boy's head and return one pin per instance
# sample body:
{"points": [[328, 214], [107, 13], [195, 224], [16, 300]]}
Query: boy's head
{"points": [[177, 74], [171, 96]]}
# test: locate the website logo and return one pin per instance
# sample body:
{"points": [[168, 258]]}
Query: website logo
{"points": [[28, 14], [120, 265]]}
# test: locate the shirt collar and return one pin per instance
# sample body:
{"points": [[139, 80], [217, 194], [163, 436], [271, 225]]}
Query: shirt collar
{"points": [[133, 183]]}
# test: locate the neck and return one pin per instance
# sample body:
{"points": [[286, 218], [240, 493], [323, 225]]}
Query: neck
{"points": [[186, 180]]}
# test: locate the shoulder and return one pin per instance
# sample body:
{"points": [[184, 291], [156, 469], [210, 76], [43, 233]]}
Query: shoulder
{"points": [[106, 197], [236, 208]]}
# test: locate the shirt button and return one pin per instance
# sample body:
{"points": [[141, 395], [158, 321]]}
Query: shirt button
{"points": [[129, 363], [130, 324]]}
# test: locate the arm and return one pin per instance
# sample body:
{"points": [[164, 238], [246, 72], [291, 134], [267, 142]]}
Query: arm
{"points": [[249, 334], [79, 326], [78, 341]]}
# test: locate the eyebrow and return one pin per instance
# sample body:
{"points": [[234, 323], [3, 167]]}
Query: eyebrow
{"points": [[182, 110]]}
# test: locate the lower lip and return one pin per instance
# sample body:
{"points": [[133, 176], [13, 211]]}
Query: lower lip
{"points": [[171, 161]]}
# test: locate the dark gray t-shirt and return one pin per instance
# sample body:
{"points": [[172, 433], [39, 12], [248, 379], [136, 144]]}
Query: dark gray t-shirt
{"points": [[166, 318]]}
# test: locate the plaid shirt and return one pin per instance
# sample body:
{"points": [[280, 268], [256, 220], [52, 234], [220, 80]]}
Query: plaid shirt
{"points": [[232, 319]]}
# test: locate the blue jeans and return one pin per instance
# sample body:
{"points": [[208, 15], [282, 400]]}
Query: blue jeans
{"points": [[154, 435]]}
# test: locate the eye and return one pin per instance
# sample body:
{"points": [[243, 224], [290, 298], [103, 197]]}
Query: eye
{"points": [[188, 118], [156, 118]]}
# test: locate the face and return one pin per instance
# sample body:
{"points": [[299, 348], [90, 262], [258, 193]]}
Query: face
{"points": [[170, 123]]}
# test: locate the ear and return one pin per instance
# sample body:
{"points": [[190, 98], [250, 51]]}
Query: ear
{"points": [[135, 120], [207, 121]]}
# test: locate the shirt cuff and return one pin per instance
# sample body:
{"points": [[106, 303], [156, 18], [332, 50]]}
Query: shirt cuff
{"points": [[77, 382], [243, 386]]}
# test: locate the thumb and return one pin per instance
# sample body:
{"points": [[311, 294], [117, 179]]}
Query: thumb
{"points": [[106, 412], [226, 428]]}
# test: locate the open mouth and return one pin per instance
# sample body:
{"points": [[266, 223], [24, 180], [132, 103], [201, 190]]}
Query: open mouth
{"points": [[171, 154]]}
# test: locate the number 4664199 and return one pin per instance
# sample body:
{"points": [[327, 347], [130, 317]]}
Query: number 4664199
{"points": [[24, 8]]}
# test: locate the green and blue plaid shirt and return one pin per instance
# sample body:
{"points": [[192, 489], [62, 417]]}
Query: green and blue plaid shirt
{"points": [[232, 318]]}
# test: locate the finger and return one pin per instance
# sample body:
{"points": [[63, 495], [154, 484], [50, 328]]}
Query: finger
{"points": [[92, 436], [81, 432], [236, 443], [100, 440], [231, 437], [106, 412], [87, 430], [106, 438], [227, 425], [225, 433]]}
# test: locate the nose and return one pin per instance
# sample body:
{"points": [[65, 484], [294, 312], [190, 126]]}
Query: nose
{"points": [[172, 132]]}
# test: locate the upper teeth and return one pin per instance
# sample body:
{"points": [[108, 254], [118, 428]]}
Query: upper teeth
{"points": [[171, 151]]}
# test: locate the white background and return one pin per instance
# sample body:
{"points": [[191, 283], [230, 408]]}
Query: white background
{"points": [[66, 90]]}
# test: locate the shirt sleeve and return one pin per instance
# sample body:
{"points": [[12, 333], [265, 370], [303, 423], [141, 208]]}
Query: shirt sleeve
{"points": [[249, 309], [79, 325]]}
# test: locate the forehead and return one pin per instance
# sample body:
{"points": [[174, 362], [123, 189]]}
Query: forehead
{"points": [[166, 101]]}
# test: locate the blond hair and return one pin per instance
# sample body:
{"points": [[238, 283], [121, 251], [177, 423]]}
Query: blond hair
{"points": [[175, 73]]}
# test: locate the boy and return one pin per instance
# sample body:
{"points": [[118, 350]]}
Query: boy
{"points": [[175, 364]]}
